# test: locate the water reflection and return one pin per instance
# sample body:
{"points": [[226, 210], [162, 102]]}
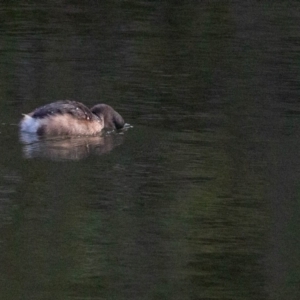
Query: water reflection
{"points": [[203, 203], [69, 148]]}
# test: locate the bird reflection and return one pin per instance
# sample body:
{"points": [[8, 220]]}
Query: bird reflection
{"points": [[68, 148]]}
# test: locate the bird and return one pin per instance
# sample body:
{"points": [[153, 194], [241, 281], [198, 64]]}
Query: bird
{"points": [[68, 117]]}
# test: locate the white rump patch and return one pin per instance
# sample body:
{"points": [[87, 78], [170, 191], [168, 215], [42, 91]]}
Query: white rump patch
{"points": [[29, 124]]}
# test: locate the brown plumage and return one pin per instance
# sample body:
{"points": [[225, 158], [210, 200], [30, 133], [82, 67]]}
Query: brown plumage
{"points": [[71, 118]]}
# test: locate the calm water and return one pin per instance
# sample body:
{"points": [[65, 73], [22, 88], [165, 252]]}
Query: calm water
{"points": [[200, 199]]}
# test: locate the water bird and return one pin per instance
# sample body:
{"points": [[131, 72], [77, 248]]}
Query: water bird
{"points": [[66, 117]]}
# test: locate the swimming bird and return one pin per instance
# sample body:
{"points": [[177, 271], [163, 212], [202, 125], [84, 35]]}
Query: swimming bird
{"points": [[66, 117]]}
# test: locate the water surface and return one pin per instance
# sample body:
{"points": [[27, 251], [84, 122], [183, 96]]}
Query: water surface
{"points": [[200, 199]]}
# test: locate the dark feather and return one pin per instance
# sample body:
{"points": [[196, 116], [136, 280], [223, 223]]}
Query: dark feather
{"points": [[76, 109]]}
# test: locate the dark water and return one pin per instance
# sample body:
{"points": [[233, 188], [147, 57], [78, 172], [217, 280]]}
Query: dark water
{"points": [[200, 199]]}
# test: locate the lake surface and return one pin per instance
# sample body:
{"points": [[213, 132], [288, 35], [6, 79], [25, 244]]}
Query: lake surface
{"points": [[200, 199]]}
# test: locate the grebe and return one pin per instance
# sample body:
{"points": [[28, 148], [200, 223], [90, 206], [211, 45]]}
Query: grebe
{"points": [[70, 118]]}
